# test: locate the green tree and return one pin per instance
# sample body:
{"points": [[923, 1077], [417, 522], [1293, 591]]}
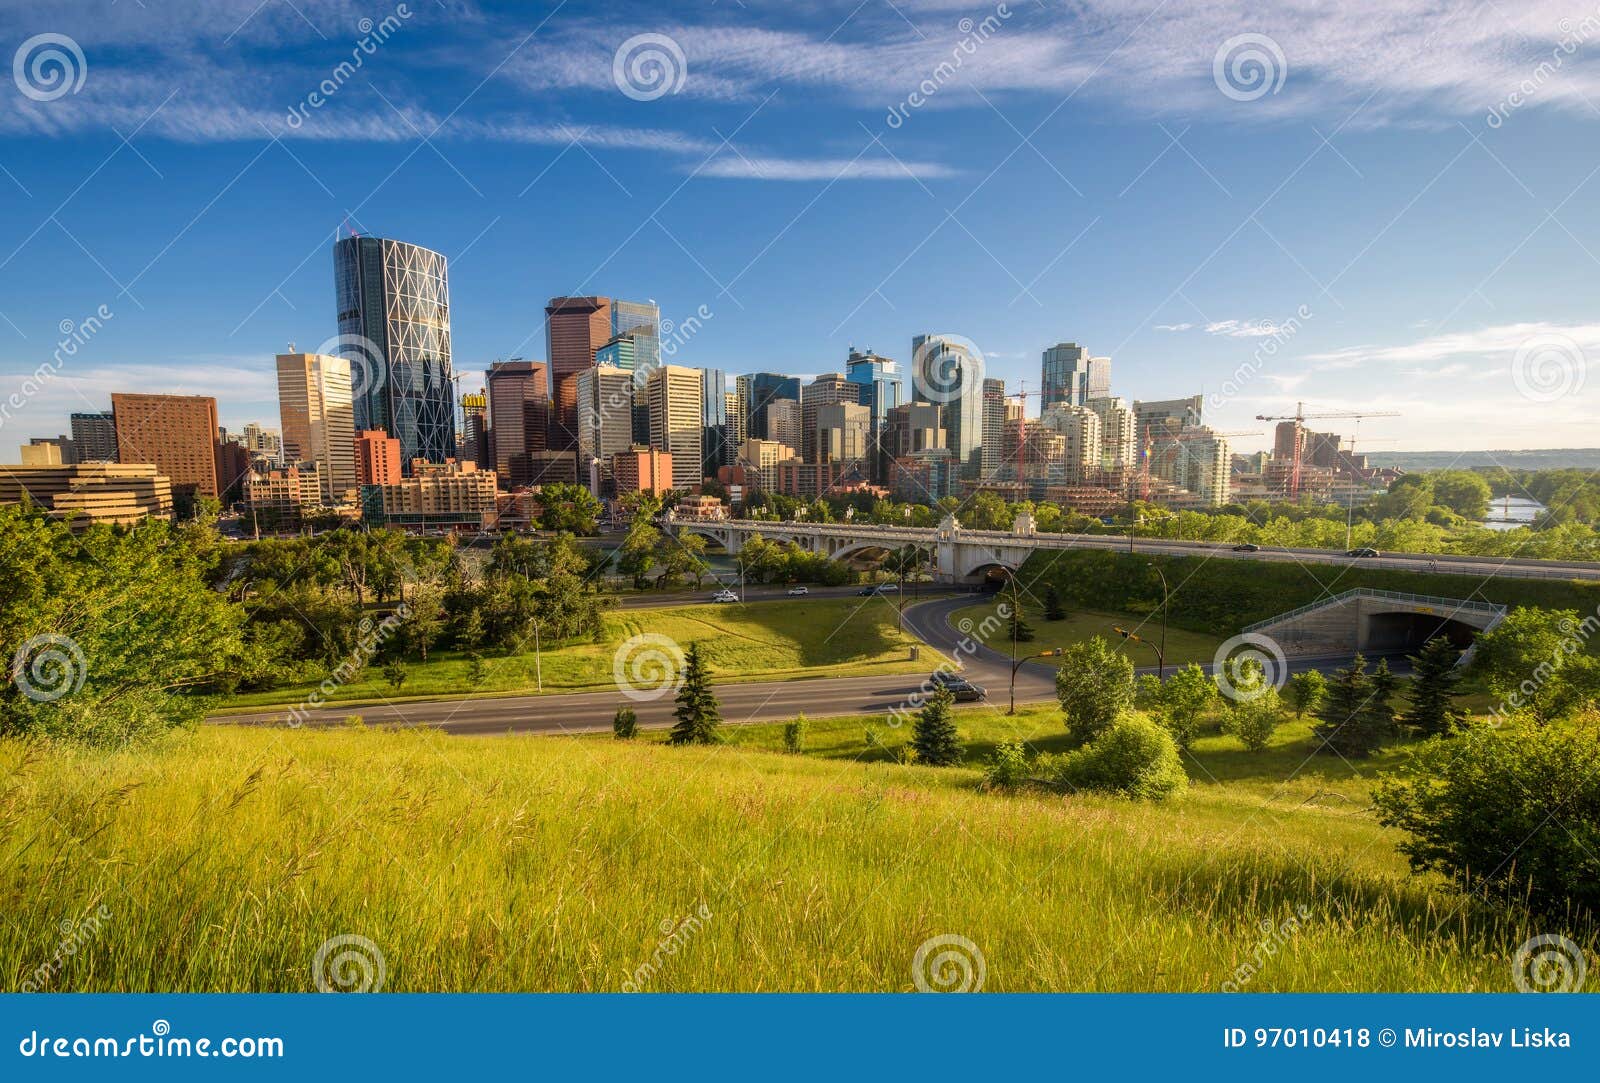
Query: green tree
{"points": [[1095, 687], [1052, 604], [1526, 661], [624, 724], [1255, 711], [1134, 757], [698, 712], [1008, 767], [477, 672], [1306, 691], [636, 556], [933, 734], [1347, 724], [1188, 693], [794, 734], [1435, 675], [1514, 814], [1147, 692], [569, 508], [1384, 686], [1020, 629], [424, 621], [394, 672]]}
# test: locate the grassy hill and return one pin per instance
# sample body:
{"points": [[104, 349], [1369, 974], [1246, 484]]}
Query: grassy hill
{"points": [[224, 860]]}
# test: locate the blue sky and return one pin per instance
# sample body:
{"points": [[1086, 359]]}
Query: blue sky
{"points": [[1397, 213]]}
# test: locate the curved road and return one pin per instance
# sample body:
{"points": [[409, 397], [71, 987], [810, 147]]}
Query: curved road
{"points": [[755, 701]]}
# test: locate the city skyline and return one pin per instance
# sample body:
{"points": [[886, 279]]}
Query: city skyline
{"points": [[1400, 247]]}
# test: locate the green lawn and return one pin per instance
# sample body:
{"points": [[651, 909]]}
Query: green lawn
{"points": [[223, 860], [821, 637], [1080, 624]]}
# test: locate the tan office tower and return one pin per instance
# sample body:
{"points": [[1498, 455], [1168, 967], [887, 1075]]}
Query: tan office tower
{"points": [[574, 328], [176, 433], [676, 408], [783, 423], [605, 416], [318, 418]]}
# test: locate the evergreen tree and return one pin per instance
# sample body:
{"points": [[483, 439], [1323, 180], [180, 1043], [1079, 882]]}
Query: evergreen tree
{"points": [[624, 724], [1384, 685], [1433, 712], [395, 673], [1347, 724], [698, 712], [1020, 631], [1052, 604], [933, 735]]}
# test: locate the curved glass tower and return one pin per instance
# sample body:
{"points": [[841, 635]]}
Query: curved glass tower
{"points": [[394, 325]]}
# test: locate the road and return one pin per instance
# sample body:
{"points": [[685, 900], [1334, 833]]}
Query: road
{"points": [[756, 701]]}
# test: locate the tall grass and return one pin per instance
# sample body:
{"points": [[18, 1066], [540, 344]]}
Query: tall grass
{"points": [[223, 860]]}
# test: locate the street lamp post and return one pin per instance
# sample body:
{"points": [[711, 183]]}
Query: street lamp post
{"points": [[1166, 596], [538, 664], [1018, 663], [1161, 655]]}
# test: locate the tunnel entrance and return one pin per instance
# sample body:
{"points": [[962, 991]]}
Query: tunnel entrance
{"points": [[1408, 632]]}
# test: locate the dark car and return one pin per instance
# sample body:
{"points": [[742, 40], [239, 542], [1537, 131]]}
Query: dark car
{"points": [[963, 689], [1362, 551], [1247, 547], [957, 685]]}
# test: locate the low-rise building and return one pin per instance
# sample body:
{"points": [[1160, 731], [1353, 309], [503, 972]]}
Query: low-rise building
{"points": [[84, 494], [447, 494]]}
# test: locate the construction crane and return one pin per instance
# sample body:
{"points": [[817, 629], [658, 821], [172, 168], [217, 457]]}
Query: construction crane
{"points": [[1300, 417]]}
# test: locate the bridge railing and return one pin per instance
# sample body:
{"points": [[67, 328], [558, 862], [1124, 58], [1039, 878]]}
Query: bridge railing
{"points": [[1455, 605]]}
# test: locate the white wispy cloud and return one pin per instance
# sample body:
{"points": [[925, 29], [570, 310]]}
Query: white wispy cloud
{"points": [[1501, 341], [825, 169]]}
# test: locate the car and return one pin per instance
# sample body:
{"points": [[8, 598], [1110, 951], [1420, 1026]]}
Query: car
{"points": [[724, 596], [881, 588], [798, 590], [1247, 547], [964, 690], [1362, 551]]}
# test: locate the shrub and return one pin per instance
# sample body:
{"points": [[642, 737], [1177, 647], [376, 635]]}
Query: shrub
{"points": [[1147, 691], [395, 673], [794, 734], [1190, 691], [1253, 719], [1135, 757], [1306, 691], [624, 724], [1007, 767], [1510, 814], [1095, 687]]}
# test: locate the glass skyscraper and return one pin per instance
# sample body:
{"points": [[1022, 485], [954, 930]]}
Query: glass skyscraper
{"points": [[879, 378], [764, 388], [643, 320], [714, 449], [393, 304], [949, 370]]}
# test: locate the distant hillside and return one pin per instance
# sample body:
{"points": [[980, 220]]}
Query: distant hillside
{"points": [[1582, 458]]}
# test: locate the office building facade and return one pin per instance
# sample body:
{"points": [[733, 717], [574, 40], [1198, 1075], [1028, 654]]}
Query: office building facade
{"points": [[715, 448], [393, 302], [948, 367], [95, 437], [318, 418], [519, 414], [575, 328], [764, 388], [175, 433], [677, 421]]}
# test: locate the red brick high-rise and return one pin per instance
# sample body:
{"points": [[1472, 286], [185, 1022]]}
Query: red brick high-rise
{"points": [[178, 433], [377, 458], [575, 327]]}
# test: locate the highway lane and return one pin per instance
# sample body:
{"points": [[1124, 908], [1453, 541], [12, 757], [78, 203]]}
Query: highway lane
{"points": [[756, 701], [588, 712]]}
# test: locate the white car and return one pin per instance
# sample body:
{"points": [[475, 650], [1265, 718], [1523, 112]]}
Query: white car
{"points": [[724, 596], [798, 590]]}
